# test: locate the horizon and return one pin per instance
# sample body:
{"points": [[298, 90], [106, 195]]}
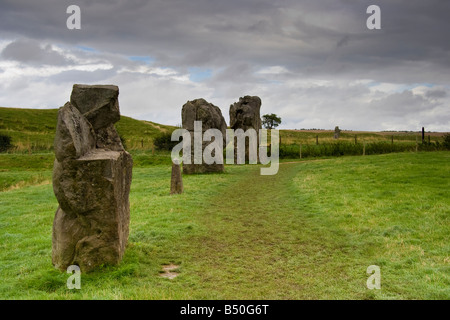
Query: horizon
{"points": [[287, 129]]}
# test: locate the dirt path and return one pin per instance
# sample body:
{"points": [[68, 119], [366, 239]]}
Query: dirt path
{"points": [[257, 246]]}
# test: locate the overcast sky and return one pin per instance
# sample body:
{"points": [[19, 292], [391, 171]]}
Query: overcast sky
{"points": [[314, 63]]}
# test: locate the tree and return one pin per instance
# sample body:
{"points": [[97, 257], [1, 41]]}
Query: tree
{"points": [[271, 121], [5, 142], [164, 141]]}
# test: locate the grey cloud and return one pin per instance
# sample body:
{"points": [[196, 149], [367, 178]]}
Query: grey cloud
{"points": [[239, 73], [399, 104], [30, 51], [299, 34], [85, 77], [343, 41], [313, 40], [436, 94]]}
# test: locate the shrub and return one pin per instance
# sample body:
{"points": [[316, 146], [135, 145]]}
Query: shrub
{"points": [[446, 142], [164, 142], [5, 142]]}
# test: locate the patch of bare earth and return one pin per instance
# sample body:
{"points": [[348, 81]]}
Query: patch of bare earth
{"points": [[169, 271]]}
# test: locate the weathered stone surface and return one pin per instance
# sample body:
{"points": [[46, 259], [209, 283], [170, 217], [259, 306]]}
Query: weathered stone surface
{"points": [[92, 188], [211, 118], [98, 103], [176, 181], [201, 110], [91, 225], [74, 134], [245, 114], [108, 138]]}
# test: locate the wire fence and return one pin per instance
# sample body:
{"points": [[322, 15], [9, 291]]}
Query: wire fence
{"points": [[310, 146]]}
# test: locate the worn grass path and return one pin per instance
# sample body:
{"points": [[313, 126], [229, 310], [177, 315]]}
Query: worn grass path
{"points": [[260, 245], [311, 231]]}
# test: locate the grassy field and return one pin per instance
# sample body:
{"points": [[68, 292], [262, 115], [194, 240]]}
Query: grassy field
{"points": [[33, 130], [309, 232], [312, 137]]}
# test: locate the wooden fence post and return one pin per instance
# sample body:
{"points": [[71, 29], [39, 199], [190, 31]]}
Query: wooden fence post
{"points": [[364, 147], [300, 150]]}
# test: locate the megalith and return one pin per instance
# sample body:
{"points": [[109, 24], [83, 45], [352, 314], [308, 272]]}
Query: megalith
{"points": [[211, 118], [337, 132], [245, 114], [91, 181]]}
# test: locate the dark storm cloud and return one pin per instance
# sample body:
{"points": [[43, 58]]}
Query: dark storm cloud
{"points": [[297, 34]]}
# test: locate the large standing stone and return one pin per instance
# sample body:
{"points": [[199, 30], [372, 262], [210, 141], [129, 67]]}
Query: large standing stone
{"points": [[211, 118], [91, 183], [245, 114]]}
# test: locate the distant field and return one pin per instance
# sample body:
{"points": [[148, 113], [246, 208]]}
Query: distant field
{"points": [[327, 136], [309, 232], [33, 130]]}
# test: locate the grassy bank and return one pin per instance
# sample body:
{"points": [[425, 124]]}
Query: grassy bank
{"points": [[33, 130], [308, 232]]}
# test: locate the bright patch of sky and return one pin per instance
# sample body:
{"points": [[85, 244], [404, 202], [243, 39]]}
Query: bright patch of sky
{"points": [[199, 74], [145, 59]]}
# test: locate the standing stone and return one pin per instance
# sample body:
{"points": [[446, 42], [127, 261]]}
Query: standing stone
{"points": [[211, 118], [337, 132], [98, 103], [245, 114], [91, 181], [176, 182]]}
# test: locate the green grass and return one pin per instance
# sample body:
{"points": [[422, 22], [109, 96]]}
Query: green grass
{"points": [[139, 135], [33, 130], [30, 129], [19, 170], [327, 137], [309, 232]]}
